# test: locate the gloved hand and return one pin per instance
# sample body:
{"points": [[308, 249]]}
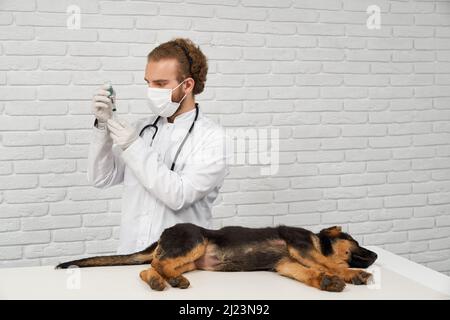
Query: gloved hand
{"points": [[122, 133], [102, 106]]}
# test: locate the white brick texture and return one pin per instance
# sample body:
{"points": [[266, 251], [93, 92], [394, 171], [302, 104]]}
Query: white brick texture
{"points": [[363, 116]]}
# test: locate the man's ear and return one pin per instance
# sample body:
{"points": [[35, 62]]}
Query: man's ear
{"points": [[332, 231], [193, 85]]}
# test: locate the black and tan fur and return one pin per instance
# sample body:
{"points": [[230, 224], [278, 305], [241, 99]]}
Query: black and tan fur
{"points": [[323, 260]]}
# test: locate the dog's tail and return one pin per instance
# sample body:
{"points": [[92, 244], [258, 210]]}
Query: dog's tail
{"points": [[142, 257]]}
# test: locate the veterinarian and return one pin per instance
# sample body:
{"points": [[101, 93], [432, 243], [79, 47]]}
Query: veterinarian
{"points": [[172, 163]]}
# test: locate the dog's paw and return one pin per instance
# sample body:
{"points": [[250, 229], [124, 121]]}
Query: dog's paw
{"points": [[361, 277], [332, 283], [179, 282], [156, 283], [143, 275]]}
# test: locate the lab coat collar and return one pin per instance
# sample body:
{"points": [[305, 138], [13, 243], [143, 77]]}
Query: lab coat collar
{"points": [[186, 117], [182, 118]]}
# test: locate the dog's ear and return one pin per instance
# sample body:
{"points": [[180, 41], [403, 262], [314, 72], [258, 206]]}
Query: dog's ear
{"points": [[332, 231], [325, 245]]}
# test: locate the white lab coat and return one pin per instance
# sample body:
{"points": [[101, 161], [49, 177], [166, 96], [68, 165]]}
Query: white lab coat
{"points": [[154, 197]]}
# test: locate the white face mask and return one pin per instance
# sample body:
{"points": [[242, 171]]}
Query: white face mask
{"points": [[160, 101]]}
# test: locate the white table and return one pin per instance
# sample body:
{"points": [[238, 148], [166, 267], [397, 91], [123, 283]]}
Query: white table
{"points": [[395, 278]]}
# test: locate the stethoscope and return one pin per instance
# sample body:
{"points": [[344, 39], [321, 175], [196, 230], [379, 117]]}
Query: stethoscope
{"points": [[184, 140]]}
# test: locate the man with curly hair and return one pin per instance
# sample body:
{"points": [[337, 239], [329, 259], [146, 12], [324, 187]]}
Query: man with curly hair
{"points": [[172, 163]]}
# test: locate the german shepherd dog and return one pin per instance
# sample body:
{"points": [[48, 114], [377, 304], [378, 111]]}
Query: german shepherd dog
{"points": [[321, 260]]}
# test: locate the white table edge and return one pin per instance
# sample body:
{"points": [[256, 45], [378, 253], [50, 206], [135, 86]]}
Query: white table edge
{"points": [[425, 276]]}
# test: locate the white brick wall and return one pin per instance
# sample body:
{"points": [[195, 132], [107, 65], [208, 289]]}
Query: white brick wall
{"points": [[363, 116]]}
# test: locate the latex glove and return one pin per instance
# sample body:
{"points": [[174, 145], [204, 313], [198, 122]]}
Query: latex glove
{"points": [[122, 133], [102, 106]]}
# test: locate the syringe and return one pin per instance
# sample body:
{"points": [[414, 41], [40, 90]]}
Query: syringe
{"points": [[112, 96]]}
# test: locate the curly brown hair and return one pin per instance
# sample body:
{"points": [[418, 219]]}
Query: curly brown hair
{"points": [[192, 62]]}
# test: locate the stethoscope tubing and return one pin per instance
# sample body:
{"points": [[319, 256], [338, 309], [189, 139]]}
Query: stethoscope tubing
{"points": [[182, 143]]}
